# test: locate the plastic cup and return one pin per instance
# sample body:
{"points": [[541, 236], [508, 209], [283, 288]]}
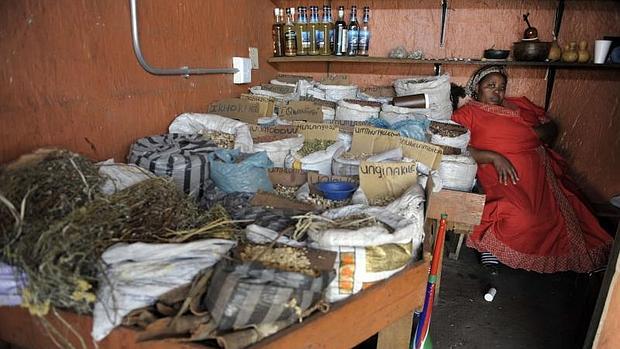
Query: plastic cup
{"points": [[601, 49], [490, 294]]}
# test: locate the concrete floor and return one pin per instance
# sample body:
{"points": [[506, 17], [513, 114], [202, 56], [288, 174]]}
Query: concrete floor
{"points": [[530, 310]]}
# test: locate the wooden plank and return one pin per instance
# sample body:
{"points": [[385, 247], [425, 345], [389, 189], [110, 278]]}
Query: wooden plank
{"points": [[396, 335], [461, 207], [350, 322], [347, 323]]}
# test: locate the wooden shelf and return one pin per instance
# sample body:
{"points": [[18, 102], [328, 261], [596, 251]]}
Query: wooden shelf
{"points": [[467, 61]]}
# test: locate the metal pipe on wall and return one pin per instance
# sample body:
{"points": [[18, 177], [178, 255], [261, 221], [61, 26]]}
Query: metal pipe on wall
{"points": [[184, 71]]}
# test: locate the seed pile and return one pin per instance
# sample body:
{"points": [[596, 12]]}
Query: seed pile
{"points": [[312, 146], [284, 191], [326, 204], [383, 200], [221, 139], [269, 138], [353, 156], [282, 258], [364, 103], [447, 130]]}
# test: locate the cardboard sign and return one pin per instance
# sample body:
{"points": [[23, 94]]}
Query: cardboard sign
{"points": [[276, 201], [315, 177], [292, 79], [312, 130], [379, 180], [266, 103], [285, 130], [288, 177], [379, 91], [426, 153], [281, 89], [335, 80], [236, 108], [347, 126], [321, 102], [301, 111], [373, 140]]}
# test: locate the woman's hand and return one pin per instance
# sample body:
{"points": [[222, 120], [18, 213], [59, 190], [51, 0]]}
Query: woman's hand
{"points": [[505, 171]]}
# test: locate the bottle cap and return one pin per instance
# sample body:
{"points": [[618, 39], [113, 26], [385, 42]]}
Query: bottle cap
{"points": [[490, 295]]}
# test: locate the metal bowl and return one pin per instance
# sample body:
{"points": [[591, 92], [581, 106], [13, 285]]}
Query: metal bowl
{"points": [[496, 54], [536, 51]]}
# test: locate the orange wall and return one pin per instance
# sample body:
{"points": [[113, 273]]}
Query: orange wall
{"points": [[585, 102], [69, 76]]}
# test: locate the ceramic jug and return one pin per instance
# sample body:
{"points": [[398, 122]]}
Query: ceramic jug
{"points": [[555, 52], [583, 53], [570, 54]]}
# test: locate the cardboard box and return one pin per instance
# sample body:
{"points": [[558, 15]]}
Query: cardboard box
{"points": [[320, 131], [301, 111], [426, 153], [288, 177], [386, 179], [280, 89], [372, 140], [266, 103], [238, 109]]}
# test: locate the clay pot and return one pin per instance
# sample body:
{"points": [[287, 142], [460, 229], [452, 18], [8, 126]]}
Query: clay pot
{"points": [[555, 52], [583, 53], [570, 54]]}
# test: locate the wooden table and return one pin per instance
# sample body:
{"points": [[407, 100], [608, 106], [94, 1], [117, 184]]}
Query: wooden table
{"points": [[385, 308]]}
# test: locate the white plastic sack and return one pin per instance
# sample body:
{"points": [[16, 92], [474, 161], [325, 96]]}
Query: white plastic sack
{"points": [[316, 93], [11, 285], [335, 93], [138, 273], [460, 142], [279, 150], [258, 90], [355, 112], [458, 172], [328, 113], [393, 114], [350, 167], [437, 88], [261, 235], [203, 123], [320, 161], [366, 97], [120, 176]]}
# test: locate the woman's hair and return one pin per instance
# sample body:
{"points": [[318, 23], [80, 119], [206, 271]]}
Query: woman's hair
{"points": [[474, 80]]}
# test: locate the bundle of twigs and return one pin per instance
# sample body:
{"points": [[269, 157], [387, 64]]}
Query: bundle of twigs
{"points": [[313, 223], [62, 263]]}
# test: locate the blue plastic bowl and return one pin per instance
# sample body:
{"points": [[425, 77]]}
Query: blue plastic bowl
{"points": [[336, 190]]}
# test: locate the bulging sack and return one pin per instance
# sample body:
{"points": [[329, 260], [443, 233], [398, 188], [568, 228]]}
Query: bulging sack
{"points": [[445, 138], [356, 110], [320, 161], [437, 89], [182, 157], [335, 93], [232, 171], [277, 151], [199, 123], [458, 172]]}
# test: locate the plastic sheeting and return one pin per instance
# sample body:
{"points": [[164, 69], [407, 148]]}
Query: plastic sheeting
{"points": [[233, 172]]}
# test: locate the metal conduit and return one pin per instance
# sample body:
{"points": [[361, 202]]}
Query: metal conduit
{"points": [[185, 71]]}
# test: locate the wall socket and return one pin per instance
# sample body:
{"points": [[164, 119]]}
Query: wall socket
{"points": [[253, 53]]}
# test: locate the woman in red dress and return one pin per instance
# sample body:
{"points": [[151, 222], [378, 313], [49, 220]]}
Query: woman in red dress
{"points": [[534, 218]]}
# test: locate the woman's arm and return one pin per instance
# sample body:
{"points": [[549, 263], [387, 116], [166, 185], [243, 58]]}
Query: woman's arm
{"points": [[547, 132], [504, 168]]}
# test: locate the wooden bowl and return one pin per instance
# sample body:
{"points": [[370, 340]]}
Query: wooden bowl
{"points": [[536, 51], [496, 54]]}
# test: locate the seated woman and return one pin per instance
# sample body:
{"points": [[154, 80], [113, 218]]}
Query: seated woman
{"points": [[534, 218]]}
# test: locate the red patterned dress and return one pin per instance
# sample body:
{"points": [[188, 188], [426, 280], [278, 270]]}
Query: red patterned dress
{"points": [[540, 223]]}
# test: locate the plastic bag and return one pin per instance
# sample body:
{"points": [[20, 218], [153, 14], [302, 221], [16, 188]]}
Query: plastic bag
{"points": [[355, 112], [248, 175], [458, 172], [278, 150], [137, 274], [11, 284], [180, 156], [120, 176], [247, 294], [199, 123]]}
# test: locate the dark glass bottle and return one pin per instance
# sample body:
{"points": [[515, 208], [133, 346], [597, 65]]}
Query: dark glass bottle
{"points": [[277, 33], [363, 43], [340, 34], [290, 38], [353, 32]]}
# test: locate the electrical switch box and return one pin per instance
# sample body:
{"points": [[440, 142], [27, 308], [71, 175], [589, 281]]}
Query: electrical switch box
{"points": [[244, 67]]}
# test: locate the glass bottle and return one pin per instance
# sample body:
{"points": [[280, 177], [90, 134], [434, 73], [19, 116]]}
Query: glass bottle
{"points": [[290, 38], [326, 33], [340, 31], [277, 33], [301, 29], [363, 43], [314, 30], [353, 32]]}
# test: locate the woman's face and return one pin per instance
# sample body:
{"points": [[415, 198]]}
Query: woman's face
{"points": [[491, 89]]}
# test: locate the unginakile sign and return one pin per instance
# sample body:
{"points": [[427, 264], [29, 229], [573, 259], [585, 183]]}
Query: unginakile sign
{"points": [[426, 153], [382, 180], [236, 108], [373, 140]]}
